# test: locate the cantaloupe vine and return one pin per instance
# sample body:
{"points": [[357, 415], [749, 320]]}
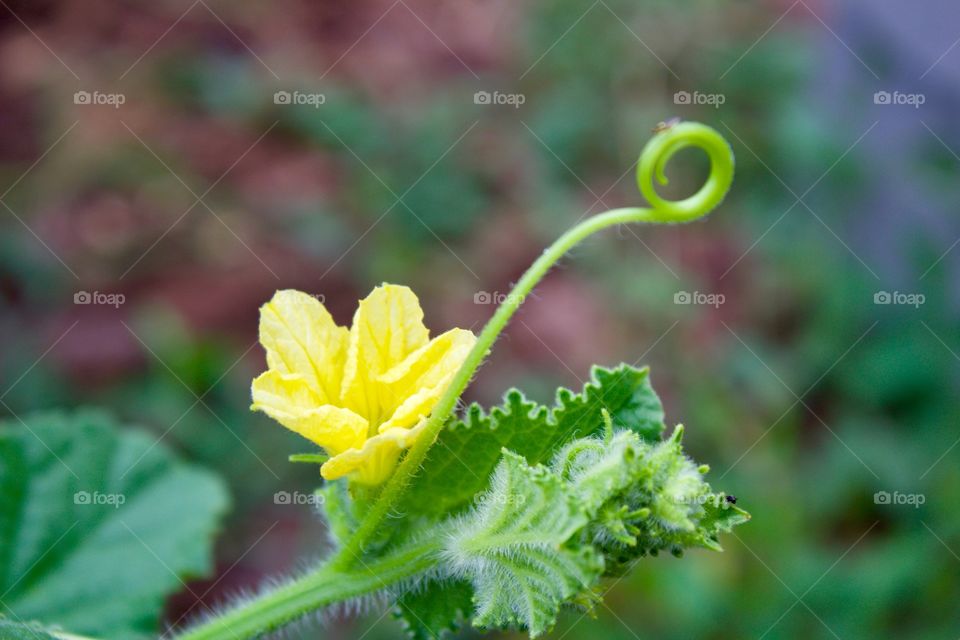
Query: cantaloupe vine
{"points": [[502, 518]]}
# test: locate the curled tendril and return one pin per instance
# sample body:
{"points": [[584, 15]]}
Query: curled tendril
{"points": [[667, 141], [662, 147]]}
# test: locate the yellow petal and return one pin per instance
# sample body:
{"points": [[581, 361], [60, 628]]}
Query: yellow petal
{"points": [[418, 382], [374, 462], [301, 338], [289, 399], [363, 394], [387, 327]]}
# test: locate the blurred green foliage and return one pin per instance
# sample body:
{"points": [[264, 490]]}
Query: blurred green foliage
{"points": [[805, 396]]}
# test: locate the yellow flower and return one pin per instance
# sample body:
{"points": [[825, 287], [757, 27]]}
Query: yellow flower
{"points": [[362, 394]]}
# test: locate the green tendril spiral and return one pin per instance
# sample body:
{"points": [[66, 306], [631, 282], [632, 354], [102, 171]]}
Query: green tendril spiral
{"points": [[656, 155]]}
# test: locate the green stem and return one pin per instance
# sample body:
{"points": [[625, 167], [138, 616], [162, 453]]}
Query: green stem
{"points": [[652, 162], [323, 586]]}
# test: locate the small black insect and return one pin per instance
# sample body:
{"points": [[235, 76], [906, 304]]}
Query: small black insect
{"points": [[732, 499], [666, 124]]}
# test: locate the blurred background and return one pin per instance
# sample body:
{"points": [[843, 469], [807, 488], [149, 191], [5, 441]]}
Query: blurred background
{"points": [[165, 166]]}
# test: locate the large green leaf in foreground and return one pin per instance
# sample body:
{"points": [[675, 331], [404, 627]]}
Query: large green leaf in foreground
{"points": [[98, 525]]}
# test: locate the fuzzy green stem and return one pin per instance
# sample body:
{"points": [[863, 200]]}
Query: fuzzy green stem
{"points": [[323, 586], [651, 166]]}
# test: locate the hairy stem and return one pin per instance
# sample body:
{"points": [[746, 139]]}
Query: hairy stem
{"points": [[321, 587], [651, 166]]}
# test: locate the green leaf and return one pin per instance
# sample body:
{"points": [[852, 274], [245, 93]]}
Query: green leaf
{"points": [[719, 517], [459, 465], [98, 525], [598, 470], [435, 609], [513, 548]]}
